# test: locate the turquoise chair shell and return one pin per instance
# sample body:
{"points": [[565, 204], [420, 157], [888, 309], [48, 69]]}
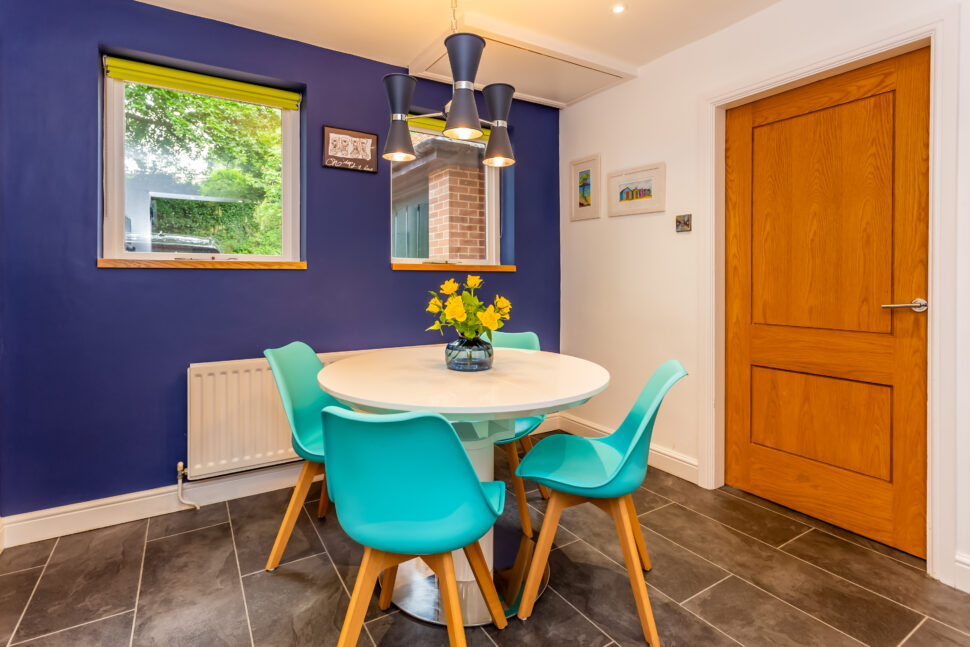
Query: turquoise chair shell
{"points": [[295, 367], [607, 467], [402, 482], [525, 341]]}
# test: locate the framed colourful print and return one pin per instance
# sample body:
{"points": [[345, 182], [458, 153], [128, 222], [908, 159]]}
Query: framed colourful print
{"points": [[637, 190], [584, 183], [350, 149]]}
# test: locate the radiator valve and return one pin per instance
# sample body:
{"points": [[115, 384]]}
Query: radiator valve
{"points": [[181, 473]]}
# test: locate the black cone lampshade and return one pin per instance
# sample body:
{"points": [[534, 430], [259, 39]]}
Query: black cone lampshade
{"points": [[498, 97], [464, 54], [400, 91]]}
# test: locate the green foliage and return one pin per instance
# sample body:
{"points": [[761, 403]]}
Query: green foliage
{"points": [[224, 148], [449, 306]]}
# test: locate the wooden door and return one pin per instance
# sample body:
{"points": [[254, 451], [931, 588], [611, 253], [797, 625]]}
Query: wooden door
{"points": [[826, 206]]}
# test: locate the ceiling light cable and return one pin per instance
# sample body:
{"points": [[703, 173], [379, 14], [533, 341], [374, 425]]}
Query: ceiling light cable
{"points": [[454, 21]]}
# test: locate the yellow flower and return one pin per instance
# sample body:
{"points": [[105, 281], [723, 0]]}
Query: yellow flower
{"points": [[434, 305], [435, 326], [449, 287], [502, 303], [474, 281], [455, 309], [489, 318]]}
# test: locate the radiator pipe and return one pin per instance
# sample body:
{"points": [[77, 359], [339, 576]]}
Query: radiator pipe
{"points": [[181, 472]]}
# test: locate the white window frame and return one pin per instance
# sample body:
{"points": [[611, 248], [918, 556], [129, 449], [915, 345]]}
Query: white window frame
{"points": [[493, 219], [113, 224]]}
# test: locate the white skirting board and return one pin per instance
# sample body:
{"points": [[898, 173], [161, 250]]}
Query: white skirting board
{"points": [[88, 515]]}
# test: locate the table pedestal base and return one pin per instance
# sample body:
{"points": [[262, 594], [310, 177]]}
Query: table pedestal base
{"points": [[416, 590]]}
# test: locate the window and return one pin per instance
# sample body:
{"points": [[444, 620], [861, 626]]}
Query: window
{"points": [[198, 167], [445, 203]]}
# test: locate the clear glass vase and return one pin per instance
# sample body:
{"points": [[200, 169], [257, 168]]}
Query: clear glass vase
{"points": [[468, 354]]}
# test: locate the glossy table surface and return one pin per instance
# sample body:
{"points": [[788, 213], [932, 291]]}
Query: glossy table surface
{"points": [[520, 383]]}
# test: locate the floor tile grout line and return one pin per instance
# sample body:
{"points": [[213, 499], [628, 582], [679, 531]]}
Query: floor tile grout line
{"points": [[827, 532], [705, 621], [185, 532], [385, 614], [910, 634], [242, 588], [21, 570], [763, 590], [576, 609], [81, 624], [489, 637], [16, 627], [799, 535], [824, 570], [141, 572], [640, 514], [705, 589], [292, 561]]}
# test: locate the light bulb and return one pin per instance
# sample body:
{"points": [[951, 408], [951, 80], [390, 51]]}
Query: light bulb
{"points": [[619, 8]]}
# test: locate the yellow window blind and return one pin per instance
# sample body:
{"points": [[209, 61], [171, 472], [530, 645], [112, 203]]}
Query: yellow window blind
{"points": [[167, 77], [432, 123]]}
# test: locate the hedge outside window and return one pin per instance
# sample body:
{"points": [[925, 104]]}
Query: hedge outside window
{"points": [[198, 167]]}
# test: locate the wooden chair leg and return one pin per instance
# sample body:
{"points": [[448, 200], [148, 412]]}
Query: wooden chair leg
{"points": [[519, 487], [546, 535], [637, 533], [527, 446], [444, 568], [370, 567], [483, 575], [309, 470], [324, 505], [387, 588], [624, 529]]}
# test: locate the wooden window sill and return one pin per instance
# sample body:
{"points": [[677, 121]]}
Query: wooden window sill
{"points": [[451, 267], [211, 265]]}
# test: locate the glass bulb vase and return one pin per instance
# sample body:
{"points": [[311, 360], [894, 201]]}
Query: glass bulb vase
{"points": [[465, 354]]}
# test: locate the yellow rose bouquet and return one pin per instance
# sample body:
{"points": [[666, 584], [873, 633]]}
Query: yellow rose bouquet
{"points": [[471, 318], [465, 312]]}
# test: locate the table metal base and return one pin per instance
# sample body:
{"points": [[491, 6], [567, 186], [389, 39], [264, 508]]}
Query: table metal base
{"points": [[416, 590]]}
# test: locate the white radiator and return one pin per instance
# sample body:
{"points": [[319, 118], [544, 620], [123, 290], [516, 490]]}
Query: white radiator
{"points": [[236, 419]]}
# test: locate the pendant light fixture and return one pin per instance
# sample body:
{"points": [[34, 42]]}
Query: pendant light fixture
{"points": [[461, 114]]}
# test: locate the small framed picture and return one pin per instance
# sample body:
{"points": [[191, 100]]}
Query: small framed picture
{"points": [[637, 190], [584, 182], [350, 149]]}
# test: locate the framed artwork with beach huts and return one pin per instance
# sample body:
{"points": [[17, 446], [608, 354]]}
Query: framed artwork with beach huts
{"points": [[584, 183], [637, 190]]}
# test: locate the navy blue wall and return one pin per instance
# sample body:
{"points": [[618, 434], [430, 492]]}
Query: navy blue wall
{"points": [[92, 362]]}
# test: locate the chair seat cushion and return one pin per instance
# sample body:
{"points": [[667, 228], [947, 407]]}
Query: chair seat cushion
{"points": [[523, 427], [571, 464]]}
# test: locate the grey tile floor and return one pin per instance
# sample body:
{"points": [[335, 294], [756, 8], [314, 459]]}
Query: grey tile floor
{"points": [[728, 569]]}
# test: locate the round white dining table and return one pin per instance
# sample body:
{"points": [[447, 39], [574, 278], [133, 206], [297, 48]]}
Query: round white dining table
{"points": [[482, 407]]}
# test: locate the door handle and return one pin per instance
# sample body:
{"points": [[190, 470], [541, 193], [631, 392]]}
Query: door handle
{"points": [[918, 305]]}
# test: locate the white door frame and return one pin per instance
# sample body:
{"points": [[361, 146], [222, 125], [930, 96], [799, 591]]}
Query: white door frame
{"points": [[941, 31]]}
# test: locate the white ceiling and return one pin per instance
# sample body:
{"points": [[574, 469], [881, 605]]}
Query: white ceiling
{"points": [[583, 32]]}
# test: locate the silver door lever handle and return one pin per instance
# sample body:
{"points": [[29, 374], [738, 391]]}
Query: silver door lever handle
{"points": [[918, 305]]}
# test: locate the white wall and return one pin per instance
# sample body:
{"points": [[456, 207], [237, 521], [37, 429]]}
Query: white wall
{"points": [[633, 291]]}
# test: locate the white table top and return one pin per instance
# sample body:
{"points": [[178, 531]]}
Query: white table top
{"points": [[520, 383]]}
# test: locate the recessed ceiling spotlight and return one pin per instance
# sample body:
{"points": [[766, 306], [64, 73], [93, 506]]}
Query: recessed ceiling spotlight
{"points": [[619, 8]]}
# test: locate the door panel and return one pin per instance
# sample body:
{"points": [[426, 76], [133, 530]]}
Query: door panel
{"points": [[826, 205]]}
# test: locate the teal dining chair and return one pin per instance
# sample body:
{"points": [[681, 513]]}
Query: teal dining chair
{"points": [[602, 471], [523, 427], [404, 488], [295, 367]]}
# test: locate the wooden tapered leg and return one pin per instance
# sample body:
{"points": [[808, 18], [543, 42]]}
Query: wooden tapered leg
{"points": [[370, 567], [519, 487], [624, 530], [387, 588], [309, 470], [483, 575], [637, 533], [444, 568], [324, 496], [548, 532], [526, 448]]}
